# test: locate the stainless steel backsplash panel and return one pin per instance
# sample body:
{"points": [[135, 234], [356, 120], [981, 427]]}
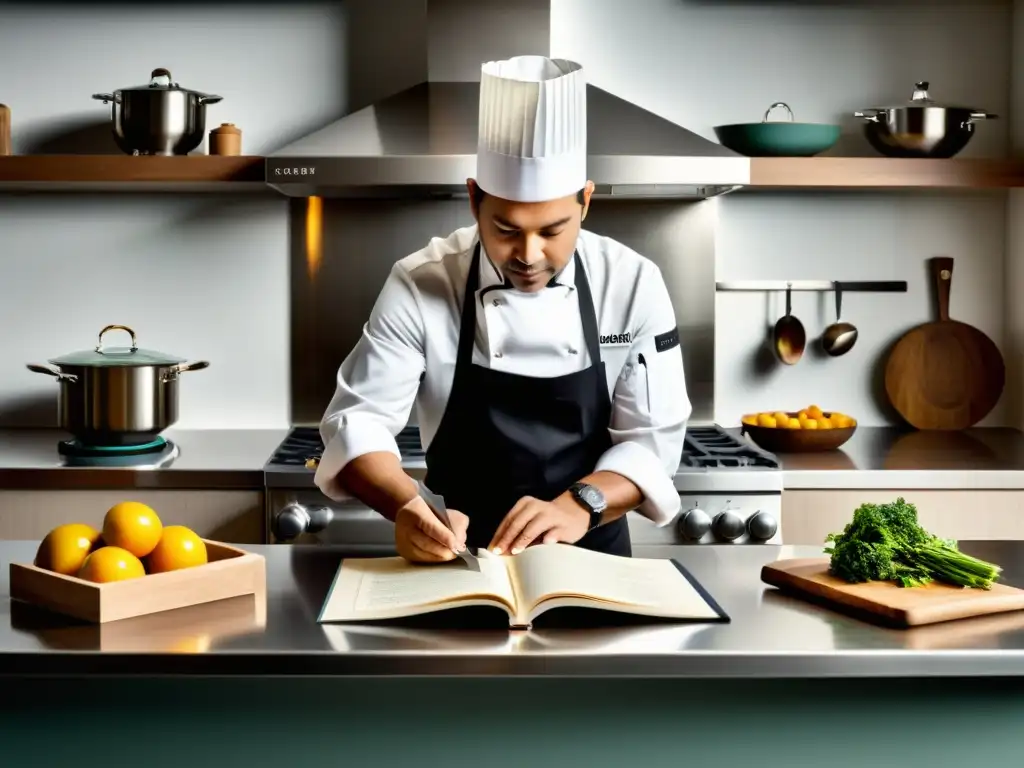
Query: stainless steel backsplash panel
{"points": [[341, 255]]}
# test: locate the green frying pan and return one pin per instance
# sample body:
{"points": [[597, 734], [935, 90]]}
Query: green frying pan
{"points": [[778, 139]]}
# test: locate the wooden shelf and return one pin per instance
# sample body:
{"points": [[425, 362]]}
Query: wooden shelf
{"points": [[863, 173], [126, 173], [216, 173]]}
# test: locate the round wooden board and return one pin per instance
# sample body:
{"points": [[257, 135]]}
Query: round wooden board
{"points": [[944, 375]]}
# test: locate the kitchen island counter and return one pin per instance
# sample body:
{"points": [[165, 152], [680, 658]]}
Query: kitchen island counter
{"points": [[889, 457], [212, 459], [770, 635]]}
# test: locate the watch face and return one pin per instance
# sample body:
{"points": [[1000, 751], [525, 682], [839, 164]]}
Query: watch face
{"points": [[593, 497]]}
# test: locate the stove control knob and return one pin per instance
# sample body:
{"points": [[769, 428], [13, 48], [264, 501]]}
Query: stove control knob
{"points": [[693, 524], [296, 519], [762, 526], [728, 526]]}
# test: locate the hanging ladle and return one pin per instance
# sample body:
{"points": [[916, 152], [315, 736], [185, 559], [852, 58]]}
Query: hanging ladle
{"points": [[789, 335], [839, 337]]}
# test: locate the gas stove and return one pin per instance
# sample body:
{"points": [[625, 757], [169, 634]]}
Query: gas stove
{"points": [[714, 460], [730, 490]]}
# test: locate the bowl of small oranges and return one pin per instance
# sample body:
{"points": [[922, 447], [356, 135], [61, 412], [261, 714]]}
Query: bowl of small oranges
{"points": [[810, 429]]}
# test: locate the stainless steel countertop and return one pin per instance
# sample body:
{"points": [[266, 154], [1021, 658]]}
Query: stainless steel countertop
{"points": [[875, 457], [881, 457], [209, 459], [770, 635]]}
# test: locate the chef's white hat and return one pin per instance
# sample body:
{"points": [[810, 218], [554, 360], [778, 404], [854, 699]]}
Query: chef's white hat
{"points": [[532, 142]]}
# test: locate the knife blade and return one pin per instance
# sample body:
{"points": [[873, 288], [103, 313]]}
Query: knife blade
{"points": [[437, 506]]}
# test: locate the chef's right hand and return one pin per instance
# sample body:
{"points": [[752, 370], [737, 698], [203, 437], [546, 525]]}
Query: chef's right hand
{"points": [[421, 538]]}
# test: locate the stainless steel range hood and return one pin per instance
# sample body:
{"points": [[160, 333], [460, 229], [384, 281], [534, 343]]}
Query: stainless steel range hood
{"points": [[422, 141]]}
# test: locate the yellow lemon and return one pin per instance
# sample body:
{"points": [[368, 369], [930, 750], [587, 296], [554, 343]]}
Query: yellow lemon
{"points": [[133, 526], [815, 412], [179, 547], [766, 420], [65, 548], [793, 423], [111, 564]]}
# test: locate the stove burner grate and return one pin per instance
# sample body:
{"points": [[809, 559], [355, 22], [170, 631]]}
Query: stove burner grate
{"points": [[713, 447], [304, 443]]}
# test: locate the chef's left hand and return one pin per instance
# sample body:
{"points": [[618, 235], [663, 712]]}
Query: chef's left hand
{"points": [[531, 520]]}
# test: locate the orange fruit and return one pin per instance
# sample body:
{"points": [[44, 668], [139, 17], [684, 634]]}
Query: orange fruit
{"points": [[815, 412], [65, 548], [133, 526], [111, 564], [179, 547]]}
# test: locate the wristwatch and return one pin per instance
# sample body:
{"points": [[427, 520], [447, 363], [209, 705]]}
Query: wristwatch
{"points": [[591, 498]]}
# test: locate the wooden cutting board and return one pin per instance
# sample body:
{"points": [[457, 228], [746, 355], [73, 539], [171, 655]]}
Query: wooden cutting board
{"points": [[944, 374], [884, 602]]}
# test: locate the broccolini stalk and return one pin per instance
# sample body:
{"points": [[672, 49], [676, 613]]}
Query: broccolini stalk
{"points": [[884, 542]]}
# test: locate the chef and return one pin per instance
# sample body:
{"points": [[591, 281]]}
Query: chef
{"points": [[543, 360]]}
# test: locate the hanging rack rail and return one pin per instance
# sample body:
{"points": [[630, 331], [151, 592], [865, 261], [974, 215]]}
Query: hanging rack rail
{"points": [[821, 286]]}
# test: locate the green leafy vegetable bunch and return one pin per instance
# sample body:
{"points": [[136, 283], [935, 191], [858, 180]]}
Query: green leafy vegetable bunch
{"points": [[884, 542]]}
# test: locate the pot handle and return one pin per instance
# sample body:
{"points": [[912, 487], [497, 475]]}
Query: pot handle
{"points": [[176, 370], [209, 98], [99, 341], [50, 370], [106, 97], [869, 115], [982, 116]]}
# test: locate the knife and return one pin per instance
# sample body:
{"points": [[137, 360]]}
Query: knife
{"points": [[436, 504]]}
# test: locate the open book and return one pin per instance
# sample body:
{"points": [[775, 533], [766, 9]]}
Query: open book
{"points": [[538, 580]]}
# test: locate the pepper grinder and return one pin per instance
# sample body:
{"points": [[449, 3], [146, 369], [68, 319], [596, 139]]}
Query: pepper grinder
{"points": [[226, 140], [5, 130]]}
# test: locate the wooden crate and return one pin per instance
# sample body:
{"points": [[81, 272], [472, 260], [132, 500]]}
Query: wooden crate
{"points": [[230, 572]]}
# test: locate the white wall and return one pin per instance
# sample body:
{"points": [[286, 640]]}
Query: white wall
{"points": [[208, 278], [702, 63], [200, 277]]}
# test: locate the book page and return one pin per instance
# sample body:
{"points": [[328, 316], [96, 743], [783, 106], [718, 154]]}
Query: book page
{"points": [[648, 586], [388, 587]]}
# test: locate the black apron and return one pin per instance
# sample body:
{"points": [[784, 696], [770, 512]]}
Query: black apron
{"points": [[504, 435]]}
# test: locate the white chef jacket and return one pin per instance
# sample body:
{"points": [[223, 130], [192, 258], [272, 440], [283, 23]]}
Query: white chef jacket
{"points": [[408, 350]]}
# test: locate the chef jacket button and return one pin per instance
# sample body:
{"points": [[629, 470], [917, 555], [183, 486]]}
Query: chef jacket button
{"points": [[497, 354], [572, 351], [497, 302]]}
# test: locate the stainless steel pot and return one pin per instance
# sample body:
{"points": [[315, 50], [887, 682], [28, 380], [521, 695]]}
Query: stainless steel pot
{"points": [[920, 128], [117, 395], [160, 118]]}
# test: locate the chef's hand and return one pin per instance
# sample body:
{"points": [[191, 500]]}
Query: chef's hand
{"points": [[421, 538], [531, 520]]}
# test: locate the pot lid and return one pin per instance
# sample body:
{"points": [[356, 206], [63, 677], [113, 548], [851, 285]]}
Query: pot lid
{"points": [[921, 98], [160, 80], [114, 357]]}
